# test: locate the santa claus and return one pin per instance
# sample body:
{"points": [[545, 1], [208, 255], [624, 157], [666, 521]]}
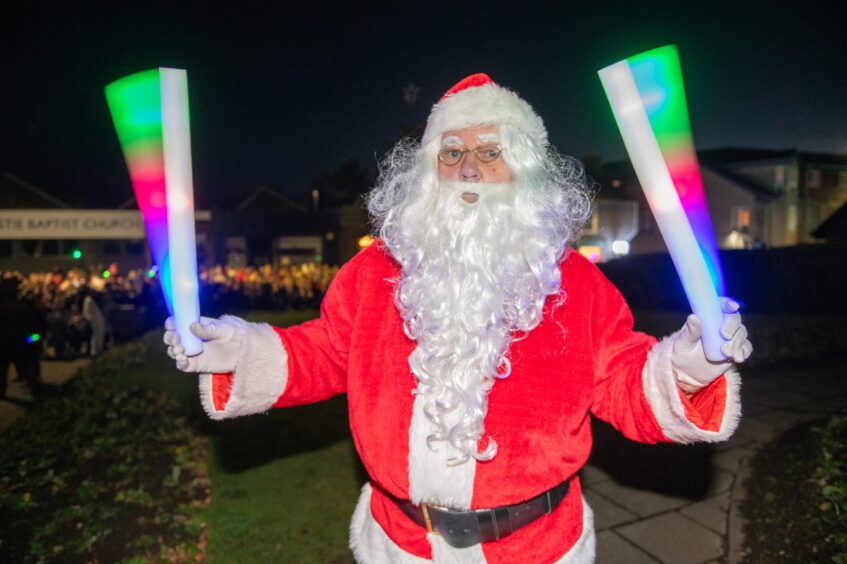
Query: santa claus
{"points": [[473, 345]]}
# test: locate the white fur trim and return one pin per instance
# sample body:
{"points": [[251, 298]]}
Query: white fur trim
{"points": [[370, 543], [431, 479], [443, 553], [489, 104], [260, 376], [585, 549], [660, 387]]}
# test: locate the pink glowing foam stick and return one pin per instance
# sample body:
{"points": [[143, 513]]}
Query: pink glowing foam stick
{"points": [[150, 113], [655, 178]]}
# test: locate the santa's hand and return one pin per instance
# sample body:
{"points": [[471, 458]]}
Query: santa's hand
{"points": [[221, 345], [693, 370]]}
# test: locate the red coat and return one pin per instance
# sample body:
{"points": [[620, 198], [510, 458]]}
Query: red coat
{"points": [[584, 358]]}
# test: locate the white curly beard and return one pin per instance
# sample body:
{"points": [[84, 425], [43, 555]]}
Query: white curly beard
{"points": [[471, 275], [473, 286]]}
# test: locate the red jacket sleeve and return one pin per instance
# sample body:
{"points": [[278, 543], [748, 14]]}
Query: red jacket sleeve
{"points": [[620, 354]]}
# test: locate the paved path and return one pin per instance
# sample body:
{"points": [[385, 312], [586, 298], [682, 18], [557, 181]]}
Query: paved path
{"points": [[53, 373], [680, 504]]}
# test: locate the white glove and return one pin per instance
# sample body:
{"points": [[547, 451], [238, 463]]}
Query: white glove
{"points": [[221, 346], [693, 369]]}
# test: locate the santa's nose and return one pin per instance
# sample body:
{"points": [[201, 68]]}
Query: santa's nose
{"points": [[470, 168]]}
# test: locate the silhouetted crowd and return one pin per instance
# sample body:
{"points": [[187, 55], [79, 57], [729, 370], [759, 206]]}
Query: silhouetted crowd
{"points": [[226, 289], [68, 314]]}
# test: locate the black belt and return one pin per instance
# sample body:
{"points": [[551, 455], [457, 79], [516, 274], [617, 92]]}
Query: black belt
{"points": [[467, 528]]}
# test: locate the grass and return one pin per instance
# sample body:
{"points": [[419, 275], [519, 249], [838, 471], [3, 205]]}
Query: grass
{"points": [[285, 483], [104, 471], [796, 507], [125, 477]]}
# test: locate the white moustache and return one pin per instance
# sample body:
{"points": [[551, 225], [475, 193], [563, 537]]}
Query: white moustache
{"points": [[470, 193]]}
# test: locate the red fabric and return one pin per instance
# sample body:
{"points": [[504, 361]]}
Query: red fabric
{"points": [[706, 407], [402, 530], [583, 358], [471, 81], [221, 388]]}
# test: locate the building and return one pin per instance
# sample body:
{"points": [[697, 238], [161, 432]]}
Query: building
{"points": [[268, 227], [39, 232], [756, 198]]}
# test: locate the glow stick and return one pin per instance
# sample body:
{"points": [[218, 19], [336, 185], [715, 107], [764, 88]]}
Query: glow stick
{"points": [[176, 139], [150, 112], [643, 148], [658, 77]]}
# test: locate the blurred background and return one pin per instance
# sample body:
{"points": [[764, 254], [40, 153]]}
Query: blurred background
{"points": [[292, 107]]}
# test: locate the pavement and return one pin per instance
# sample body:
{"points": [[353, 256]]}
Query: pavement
{"points": [[681, 503], [54, 373], [656, 503]]}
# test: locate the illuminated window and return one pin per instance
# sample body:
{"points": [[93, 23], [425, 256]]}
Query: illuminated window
{"points": [[813, 178], [594, 253], [792, 217], [740, 218], [616, 183]]}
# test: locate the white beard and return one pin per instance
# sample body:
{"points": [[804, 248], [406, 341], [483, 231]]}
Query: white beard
{"points": [[473, 285]]}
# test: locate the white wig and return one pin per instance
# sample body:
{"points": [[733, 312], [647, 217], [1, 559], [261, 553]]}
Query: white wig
{"points": [[472, 276]]}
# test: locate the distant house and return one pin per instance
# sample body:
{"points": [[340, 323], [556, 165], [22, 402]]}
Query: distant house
{"points": [[265, 226], [756, 197]]}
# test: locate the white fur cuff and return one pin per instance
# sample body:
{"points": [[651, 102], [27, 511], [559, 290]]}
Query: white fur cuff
{"points": [[661, 389], [260, 376]]}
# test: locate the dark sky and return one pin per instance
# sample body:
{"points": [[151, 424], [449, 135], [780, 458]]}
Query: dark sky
{"points": [[282, 93]]}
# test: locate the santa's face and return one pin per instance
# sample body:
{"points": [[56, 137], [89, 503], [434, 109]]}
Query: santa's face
{"points": [[470, 168]]}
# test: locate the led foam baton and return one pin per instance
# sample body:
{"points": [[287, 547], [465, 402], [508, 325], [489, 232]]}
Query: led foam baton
{"points": [[630, 108], [150, 113]]}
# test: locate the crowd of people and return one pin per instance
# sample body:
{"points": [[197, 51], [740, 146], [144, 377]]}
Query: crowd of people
{"points": [[79, 312], [225, 289]]}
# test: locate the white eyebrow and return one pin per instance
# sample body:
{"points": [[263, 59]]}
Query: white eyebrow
{"points": [[452, 140], [488, 138]]}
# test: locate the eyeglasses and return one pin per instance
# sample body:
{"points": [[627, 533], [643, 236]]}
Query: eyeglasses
{"points": [[453, 154]]}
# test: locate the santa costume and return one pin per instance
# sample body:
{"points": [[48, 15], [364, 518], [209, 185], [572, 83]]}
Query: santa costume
{"points": [[583, 358]]}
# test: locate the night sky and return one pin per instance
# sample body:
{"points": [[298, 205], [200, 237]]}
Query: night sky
{"points": [[280, 94]]}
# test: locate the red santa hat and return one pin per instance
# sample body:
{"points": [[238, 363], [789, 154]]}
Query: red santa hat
{"points": [[478, 100]]}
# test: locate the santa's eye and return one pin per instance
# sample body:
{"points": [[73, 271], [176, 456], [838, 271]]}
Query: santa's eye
{"points": [[488, 153], [451, 155]]}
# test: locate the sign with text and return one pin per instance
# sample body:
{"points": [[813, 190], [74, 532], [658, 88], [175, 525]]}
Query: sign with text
{"points": [[75, 224]]}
